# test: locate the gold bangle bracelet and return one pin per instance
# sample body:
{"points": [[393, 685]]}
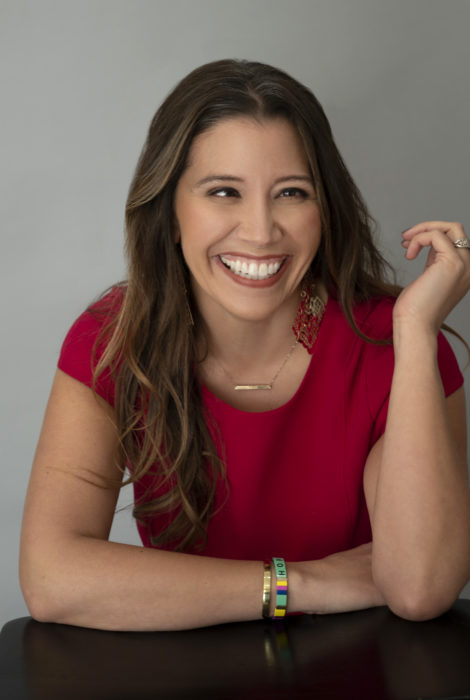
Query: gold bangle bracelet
{"points": [[267, 589]]}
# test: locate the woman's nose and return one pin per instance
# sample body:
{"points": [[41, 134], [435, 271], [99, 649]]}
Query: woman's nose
{"points": [[258, 225]]}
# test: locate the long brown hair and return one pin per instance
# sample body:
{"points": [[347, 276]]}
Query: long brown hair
{"points": [[150, 343]]}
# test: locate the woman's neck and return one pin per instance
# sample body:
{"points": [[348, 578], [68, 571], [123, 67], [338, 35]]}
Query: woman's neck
{"points": [[252, 365], [264, 359], [242, 345]]}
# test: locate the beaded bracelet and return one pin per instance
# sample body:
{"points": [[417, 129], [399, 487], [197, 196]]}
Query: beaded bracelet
{"points": [[280, 570], [266, 589]]}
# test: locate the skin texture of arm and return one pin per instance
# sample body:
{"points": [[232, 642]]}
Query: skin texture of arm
{"points": [[70, 573], [416, 486], [420, 556], [416, 481]]}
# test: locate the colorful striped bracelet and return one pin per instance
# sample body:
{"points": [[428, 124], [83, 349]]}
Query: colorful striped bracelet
{"points": [[280, 570]]}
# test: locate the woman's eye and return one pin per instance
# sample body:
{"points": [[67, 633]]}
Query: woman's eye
{"points": [[224, 192], [291, 192]]}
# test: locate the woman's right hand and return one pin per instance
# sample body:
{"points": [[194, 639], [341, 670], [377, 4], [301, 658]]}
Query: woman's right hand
{"points": [[341, 582]]}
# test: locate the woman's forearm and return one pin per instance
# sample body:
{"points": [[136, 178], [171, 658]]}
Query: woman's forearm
{"points": [[107, 585], [421, 518]]}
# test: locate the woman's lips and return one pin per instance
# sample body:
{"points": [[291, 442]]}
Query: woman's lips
{"points": [[253, 271]]}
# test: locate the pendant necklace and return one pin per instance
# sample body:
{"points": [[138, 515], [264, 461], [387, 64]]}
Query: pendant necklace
{"points": [[305, 328], [260, 387]]}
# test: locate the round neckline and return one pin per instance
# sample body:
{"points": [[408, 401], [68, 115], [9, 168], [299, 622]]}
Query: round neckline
{"points": [[211, 399]]}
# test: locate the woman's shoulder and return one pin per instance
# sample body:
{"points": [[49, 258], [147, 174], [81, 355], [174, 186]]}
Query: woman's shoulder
{"points": [[98, 314], [108, 305], [86, 339]]}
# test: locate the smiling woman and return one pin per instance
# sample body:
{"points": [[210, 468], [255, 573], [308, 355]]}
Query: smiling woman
{"points": [[293, 423], [248, 236]]}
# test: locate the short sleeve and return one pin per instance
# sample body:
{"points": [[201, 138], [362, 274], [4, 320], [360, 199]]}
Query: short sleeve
{"points": [[83, 347]]}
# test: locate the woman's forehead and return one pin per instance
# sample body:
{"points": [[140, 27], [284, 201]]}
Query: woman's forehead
{"points": [[243, 140]]}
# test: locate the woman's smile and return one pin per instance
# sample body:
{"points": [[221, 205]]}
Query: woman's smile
{"points": [[258, 272]]}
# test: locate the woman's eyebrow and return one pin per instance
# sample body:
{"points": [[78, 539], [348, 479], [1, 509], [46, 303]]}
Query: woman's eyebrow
{"points": [[233, 178], [218, 178], [288, 178]]}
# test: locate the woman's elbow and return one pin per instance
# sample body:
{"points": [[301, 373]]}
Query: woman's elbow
{"points": [[419, 593], [39, 608], [419, 602], [38, 593], [37, 603], [414, 600], [420, 608]]}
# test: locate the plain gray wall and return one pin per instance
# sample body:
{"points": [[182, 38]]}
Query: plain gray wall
{"points": [[80, 80]]}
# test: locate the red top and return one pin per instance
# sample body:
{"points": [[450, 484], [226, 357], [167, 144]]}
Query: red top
{"points": [[295, 472]]}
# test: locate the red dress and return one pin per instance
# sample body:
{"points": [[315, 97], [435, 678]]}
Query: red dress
{"points": [[295, 472]]}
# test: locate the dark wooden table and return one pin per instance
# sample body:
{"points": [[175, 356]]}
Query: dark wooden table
{"points": [[367, 655]]}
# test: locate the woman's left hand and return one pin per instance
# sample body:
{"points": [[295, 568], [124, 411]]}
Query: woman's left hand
{"points": [[446, 278]]}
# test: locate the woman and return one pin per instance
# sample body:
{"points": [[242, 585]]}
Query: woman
{"points": [[245, 374]]}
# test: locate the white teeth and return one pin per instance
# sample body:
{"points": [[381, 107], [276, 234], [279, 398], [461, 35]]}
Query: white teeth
{"points": [[252, 270]]}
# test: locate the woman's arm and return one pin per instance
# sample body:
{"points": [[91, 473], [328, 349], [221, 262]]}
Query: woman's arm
{"points": [[70, 573], [417, 475]]}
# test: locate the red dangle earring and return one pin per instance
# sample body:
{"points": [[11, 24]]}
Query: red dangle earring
{"points": [[308, 318]]}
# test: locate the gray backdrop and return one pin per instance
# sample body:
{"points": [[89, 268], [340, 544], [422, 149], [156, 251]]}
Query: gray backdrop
{"points": [[80, 80]]}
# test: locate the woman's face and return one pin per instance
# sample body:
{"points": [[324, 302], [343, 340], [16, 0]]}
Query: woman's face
{"points": [[247, 218]]}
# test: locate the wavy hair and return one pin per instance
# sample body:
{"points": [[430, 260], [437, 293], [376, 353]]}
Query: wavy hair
{"points": [[164, 431]]}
